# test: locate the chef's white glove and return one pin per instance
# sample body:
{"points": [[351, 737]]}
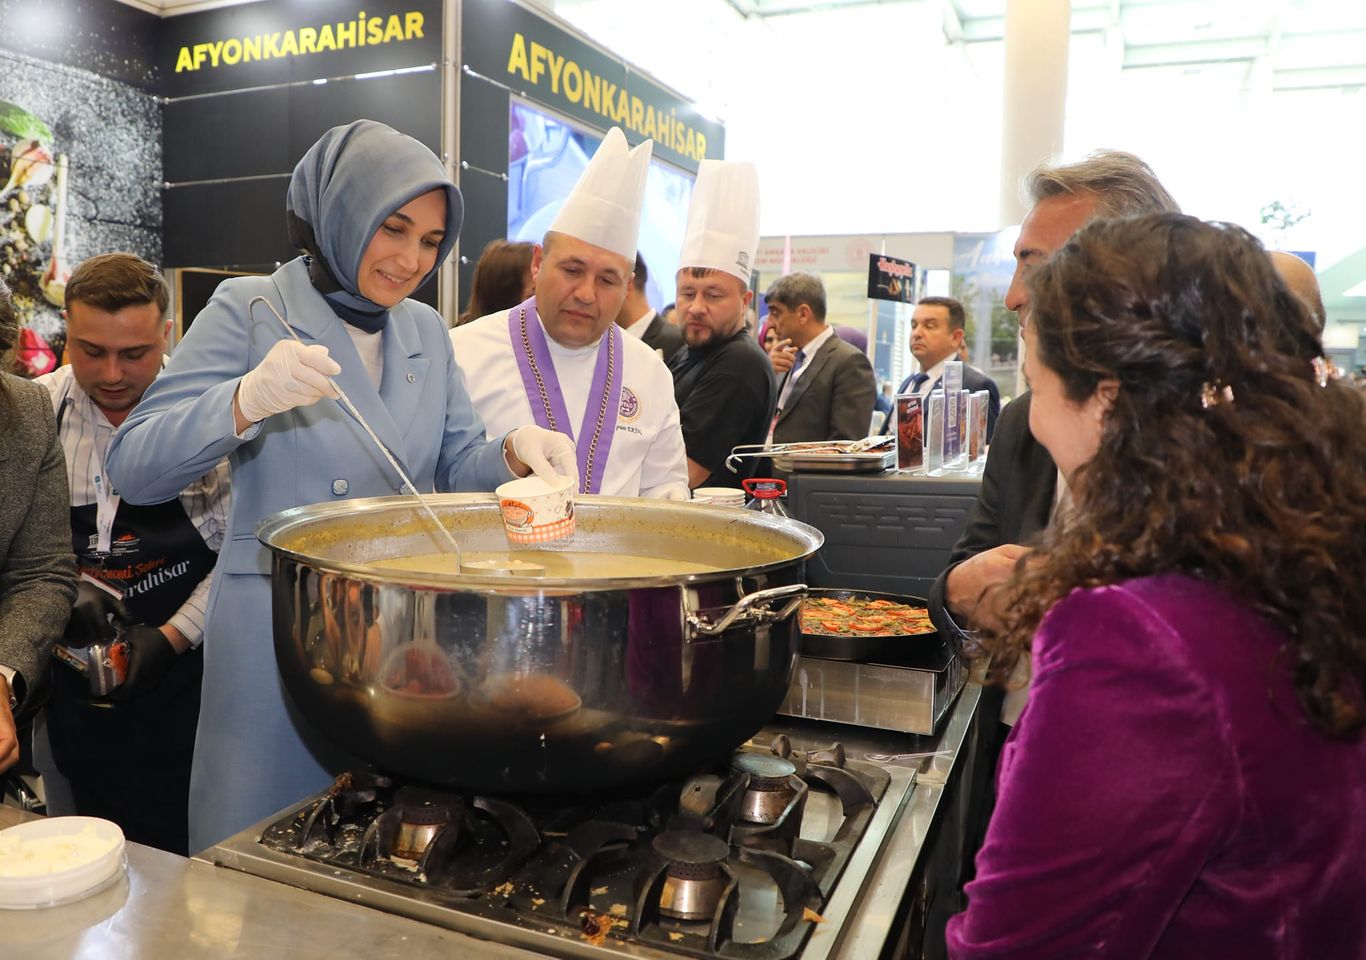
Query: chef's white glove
{"points": [[676, 491], [291, 375], [547, 453]]}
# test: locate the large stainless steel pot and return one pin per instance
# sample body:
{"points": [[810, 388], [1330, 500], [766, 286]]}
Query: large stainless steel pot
{"points": [[501, 684]]}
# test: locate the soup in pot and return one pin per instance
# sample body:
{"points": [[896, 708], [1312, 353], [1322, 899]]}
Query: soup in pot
{"points": [[558, 564]]}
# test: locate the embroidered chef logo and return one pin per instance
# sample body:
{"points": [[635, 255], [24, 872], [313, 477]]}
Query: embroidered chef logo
{"points": [[629, 411], [742, 261]]}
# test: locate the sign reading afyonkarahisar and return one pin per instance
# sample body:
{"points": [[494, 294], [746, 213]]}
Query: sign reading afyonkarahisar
{"points": [[256, 44], [516, 47]]}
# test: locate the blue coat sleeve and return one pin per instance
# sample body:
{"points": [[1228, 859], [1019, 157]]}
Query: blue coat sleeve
{"points": [[184, 424], [468, 462]]}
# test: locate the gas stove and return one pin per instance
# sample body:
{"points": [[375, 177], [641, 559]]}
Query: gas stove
{"points": [[761, 857]]}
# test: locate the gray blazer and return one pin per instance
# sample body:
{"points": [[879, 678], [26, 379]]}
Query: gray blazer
{"points": [[37, 568], [832, 400]]}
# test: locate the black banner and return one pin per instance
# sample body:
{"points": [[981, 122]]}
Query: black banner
{"points": [[514, 47], [891, 279], [112, 40], [287, 41]]}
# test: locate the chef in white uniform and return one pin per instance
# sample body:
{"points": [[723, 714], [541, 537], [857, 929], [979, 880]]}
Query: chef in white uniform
{"points": [[559, 360]]}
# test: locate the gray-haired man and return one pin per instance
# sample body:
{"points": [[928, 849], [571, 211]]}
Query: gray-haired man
{"points": [[1020, 485]]}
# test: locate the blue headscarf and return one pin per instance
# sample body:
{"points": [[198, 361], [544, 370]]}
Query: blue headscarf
{"points": [[344, 188]]}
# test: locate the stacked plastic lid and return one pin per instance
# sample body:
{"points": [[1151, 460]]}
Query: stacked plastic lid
{"points": [[719, 496], [44, 863]]}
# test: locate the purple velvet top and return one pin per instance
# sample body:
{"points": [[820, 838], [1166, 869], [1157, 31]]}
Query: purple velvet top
{"points": [[1163, 795]]}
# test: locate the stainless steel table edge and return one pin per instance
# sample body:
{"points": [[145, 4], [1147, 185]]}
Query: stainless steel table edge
{"points": [[899, 856]]}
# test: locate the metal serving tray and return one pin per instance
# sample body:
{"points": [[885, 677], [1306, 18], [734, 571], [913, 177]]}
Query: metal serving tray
{"points": [[875, 462]]}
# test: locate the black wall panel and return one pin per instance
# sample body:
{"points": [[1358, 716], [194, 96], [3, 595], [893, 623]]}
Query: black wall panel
{"points": [[265, 131]]}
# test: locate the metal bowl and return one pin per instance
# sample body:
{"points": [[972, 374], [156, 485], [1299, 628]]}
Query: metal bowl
{"points": [[536, 684]]}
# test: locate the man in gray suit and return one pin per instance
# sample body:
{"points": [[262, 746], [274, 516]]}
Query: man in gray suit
{"points": [[828, 388], [637, 318], [37, 569]]}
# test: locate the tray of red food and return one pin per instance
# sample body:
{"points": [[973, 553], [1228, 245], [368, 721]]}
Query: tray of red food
{"points": [[861, 625]]}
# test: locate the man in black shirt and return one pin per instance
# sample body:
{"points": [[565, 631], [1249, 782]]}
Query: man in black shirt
{"points": [[723, 382]]}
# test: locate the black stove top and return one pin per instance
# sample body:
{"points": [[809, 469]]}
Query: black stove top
{"points": [[733, 862]]}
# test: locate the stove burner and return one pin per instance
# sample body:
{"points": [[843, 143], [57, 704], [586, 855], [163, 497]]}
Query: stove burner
{"points": [[695, 881], [422, 814], [771, 787]]}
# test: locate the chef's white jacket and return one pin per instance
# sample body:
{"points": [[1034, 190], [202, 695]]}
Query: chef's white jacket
{"points": [[647, 459]]}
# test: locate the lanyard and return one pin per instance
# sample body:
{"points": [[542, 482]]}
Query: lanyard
{"points": [[106, 497], [543, 393]]}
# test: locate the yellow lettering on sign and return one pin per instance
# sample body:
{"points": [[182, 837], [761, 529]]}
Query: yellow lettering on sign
{"points": [[623, 108], [556, 65], [573, 82], [592, 92], [701, 146], [517, 57], [411, 25], [538, 53]]}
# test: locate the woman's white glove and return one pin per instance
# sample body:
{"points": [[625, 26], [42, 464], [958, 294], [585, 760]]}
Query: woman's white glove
{"points": [[547, 453], [291, 375], [676, 491]]}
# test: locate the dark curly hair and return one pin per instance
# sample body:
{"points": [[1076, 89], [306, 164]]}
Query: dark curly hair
{"points": [[1263, 492]]}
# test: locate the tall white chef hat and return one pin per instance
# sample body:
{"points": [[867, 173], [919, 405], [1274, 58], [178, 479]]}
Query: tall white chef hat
{"points": [[604, 206], [723, 218]]}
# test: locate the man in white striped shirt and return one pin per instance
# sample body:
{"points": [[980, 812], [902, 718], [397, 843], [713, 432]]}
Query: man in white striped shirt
{"points": [[127, 757]]}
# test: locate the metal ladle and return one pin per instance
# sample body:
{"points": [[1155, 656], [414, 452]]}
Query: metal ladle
{"points": [[496, 567]]}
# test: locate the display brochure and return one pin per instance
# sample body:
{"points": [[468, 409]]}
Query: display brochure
{"points": [[964, 432], [981, 408], [977, 426], [910, 434], [934, 434], [954, 428]]}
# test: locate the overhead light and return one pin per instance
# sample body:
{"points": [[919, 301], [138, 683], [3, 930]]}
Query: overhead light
{"points": [[1356, 290]]}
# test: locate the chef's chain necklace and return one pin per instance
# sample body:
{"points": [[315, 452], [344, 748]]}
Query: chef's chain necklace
{"points": [[545, 397]]}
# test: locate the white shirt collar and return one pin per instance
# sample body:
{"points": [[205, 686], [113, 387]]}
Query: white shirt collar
{"points": [[934, 373], [814, 346], [638, 328]]}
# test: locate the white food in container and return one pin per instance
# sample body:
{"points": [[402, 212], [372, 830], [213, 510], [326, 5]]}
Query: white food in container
{"points": [[57, 860]]}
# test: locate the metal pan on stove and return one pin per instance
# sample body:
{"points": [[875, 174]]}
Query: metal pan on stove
{"points": [[861, 648]]}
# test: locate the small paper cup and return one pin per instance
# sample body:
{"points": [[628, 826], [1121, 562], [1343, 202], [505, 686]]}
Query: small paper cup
{"points": [[537, 511]]}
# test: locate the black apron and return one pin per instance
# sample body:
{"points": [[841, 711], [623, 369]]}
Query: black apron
{"points": [[130, 762]]}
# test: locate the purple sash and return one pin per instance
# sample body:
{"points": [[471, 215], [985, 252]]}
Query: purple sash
{"points": [[542, 386]]}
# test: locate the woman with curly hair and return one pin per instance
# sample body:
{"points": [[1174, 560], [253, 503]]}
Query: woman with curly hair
{"points": [[1189, 777]]}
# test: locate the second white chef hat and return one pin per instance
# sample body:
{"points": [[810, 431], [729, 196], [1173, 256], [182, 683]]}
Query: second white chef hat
{"points": [[723, 218]]}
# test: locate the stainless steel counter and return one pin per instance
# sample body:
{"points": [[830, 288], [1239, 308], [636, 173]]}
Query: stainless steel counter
{"points": [[171, 908]]}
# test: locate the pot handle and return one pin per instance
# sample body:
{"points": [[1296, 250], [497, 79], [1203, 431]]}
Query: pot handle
{"points": [[753, 608]]}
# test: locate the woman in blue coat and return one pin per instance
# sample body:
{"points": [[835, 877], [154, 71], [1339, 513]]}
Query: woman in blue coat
{"points": [[375, 215]]}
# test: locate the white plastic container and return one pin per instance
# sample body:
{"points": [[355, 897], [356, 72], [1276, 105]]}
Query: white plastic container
{"points": [[45, 863]]}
